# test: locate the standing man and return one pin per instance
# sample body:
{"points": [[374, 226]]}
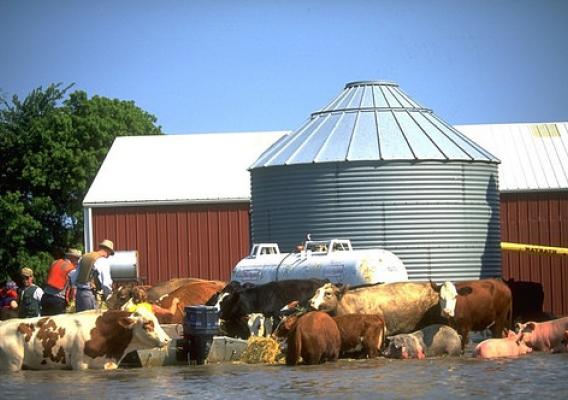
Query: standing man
{"points": [[54, 300], [30, 296], [92, 274]]}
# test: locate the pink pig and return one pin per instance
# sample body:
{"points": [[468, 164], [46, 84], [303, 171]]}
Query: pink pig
{"points": [[544, 336], [511, 346]]}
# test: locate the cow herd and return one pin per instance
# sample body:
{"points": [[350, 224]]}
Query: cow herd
{"points": [[399, 320], [315, 320]]}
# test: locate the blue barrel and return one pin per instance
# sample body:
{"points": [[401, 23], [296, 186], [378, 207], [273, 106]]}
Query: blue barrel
{"points": [[200, 324]]}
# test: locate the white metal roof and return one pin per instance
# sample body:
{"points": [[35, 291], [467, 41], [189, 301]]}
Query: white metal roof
{"points": [[178, 168], [533, 156]]}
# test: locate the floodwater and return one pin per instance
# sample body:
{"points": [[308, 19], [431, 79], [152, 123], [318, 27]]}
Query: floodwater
{"points": [[536, 374]]}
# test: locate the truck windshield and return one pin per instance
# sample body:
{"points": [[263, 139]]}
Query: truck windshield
{"points": [[268, 250], [338, 246], [317, 247]]}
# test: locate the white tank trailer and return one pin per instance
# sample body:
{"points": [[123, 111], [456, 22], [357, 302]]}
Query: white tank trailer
{"points": [[322, 259]]}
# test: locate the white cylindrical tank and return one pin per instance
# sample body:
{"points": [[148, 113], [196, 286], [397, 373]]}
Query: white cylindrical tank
{"points": [[355, 267], [124, 266]]}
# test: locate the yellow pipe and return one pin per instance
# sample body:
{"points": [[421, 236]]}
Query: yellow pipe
{"points": [[531, 248]]}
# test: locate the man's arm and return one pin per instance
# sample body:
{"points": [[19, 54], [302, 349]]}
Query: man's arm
{"points": [[38, 294], [102, 266]]}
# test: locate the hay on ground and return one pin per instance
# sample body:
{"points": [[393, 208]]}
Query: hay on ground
{"points": [[263, 350]]}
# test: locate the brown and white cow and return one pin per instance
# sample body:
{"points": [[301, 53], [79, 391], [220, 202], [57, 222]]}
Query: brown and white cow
{"points": [[191, 294], [478, 305], [160, 289], [315, 337], [84, 340], [404, 306]]}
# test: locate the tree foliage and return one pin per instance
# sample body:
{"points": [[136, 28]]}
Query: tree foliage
{"points": [[51, 146]]}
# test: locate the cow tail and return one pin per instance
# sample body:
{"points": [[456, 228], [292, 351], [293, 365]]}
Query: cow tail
{"points": [[294, 347], [382, 335]]}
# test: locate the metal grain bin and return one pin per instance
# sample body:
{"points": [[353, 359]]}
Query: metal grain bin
{"points": [[375, 167]]}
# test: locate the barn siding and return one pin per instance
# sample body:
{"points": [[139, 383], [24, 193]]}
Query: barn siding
{"points": [[206, 241], [202, 241], [537, 218]]}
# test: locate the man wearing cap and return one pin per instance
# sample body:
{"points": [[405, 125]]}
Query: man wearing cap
{"points": [[93, 273], [30, 296], [57, 290]]}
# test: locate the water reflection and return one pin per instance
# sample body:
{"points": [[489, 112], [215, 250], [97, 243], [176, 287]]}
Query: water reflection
{"points": [[536, 374]]}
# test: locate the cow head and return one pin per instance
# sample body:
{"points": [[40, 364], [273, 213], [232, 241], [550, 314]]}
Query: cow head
{"points": [[327, 297], [119, 297], [146, 329], [285, 326], [217, 298], [234, 305], [448, 298], [289, 308]]}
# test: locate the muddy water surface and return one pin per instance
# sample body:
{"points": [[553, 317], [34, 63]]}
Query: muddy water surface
{"points": [[543, 375]]}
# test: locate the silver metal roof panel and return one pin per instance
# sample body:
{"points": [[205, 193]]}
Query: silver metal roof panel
{"points": [[534, 156], [372, 120]]}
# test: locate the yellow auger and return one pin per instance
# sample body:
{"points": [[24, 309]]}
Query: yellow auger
{"points": [[532, 248]]}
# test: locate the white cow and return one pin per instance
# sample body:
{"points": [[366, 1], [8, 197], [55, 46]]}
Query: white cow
{"points": [[89, 339]]}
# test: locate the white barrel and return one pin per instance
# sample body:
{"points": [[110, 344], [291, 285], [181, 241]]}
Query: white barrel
{"points": [[356, 267], [124, 266]]}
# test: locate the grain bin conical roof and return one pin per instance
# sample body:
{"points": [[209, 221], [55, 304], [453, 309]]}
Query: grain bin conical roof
{"points": [[372, 120]]}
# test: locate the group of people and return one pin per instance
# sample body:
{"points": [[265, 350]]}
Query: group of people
{"points": [[76, 276]]}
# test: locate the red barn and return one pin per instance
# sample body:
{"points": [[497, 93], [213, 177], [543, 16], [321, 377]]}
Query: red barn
{"points": [[181, 201], [533, 181]]}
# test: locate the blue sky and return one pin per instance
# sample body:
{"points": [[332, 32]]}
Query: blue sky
{"points": [[222, 66]]}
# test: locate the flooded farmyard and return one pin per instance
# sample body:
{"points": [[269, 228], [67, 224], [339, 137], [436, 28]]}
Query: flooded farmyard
{"points": [[536, 374]]}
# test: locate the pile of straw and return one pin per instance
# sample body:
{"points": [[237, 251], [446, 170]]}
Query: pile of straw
{"points": [[262, 350]]}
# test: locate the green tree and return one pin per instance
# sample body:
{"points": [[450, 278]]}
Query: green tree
{"points": [[51, 146]]}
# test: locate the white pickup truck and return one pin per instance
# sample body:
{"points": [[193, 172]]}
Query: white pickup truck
{"points": [[323, 259]]}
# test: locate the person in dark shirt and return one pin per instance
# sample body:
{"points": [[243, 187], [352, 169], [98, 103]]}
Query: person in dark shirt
{"points": [[30, 296]]}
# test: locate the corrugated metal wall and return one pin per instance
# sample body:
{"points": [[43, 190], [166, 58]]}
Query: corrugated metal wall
{"points": [[201, 241], [440, 218], [538, 218]]}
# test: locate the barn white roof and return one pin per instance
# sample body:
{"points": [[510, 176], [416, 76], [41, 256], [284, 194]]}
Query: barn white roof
{"points": [[534, 157], [178, 168]]}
